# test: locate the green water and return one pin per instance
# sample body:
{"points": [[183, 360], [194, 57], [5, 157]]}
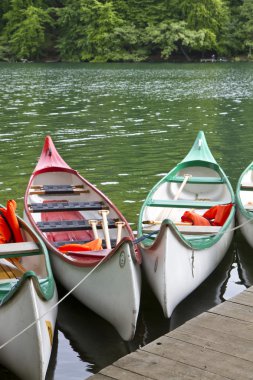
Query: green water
{"points": [[123, 126]]}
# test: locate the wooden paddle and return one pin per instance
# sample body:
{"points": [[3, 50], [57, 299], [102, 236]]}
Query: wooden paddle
{"points": [[104, 214], [165, 213], [119, 226]]}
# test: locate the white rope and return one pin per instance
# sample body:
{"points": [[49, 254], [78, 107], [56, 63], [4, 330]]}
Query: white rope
{"points": [[79, 283], [54, 306]]}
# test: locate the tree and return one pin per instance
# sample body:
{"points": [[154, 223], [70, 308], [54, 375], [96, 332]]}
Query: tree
{"points": [[246, 25], [93, 31], [25, 28]]}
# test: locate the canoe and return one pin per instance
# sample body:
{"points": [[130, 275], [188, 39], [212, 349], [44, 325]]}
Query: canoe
{"points": [[70, 215], [27, 294], [244, 203], [178, 256]]}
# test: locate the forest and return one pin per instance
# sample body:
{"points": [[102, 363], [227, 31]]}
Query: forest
{"points": [[125, 30]]}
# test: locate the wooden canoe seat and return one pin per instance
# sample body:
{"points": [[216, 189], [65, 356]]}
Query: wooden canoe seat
{"points": [[198, 230], [198, 180], [57, 189], [187, 229], [182, 204], [70, 225], [26, 248], [61, 243], [246, 187], [66, 206]]}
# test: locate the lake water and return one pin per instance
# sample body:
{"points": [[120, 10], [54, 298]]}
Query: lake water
{"points": [[123, 126]]}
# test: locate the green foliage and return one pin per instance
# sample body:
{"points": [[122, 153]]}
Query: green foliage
{"points": [[246, 25], [120, 30], [25, 29]]}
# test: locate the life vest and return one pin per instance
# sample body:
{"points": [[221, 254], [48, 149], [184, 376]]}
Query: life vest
{"points": [[94, 245], [9, 225], [218, 215], [195, 219]]}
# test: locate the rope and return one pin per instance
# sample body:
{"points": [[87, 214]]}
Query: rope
{"points": [[54, 306], [143, 237]]}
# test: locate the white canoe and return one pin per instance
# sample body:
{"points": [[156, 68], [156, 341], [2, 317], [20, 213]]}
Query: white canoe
{"points": [[178, 257], [61, 214], [244, 203], [27, 293]]}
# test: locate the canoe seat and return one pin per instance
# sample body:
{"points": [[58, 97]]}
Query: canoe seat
{"points": [[57, 189], [66, 206], [70, 225], [246, 187], [198, 230], [182, 204], [60, 243], [26, 248], [198, 180]]}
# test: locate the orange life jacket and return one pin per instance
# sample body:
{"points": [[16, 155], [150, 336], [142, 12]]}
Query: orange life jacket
{"points": [[218, 215], [9, 226], [94, 245], [195, 219]]}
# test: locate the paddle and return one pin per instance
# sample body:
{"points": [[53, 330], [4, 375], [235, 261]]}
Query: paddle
{"points": [[104, 214], [164, 213], [119, 226], [93, 224]]}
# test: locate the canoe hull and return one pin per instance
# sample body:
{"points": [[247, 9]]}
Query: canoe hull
{"points": [[244, 201], [174, 270], [28, 355], [187, 245], [112, 290]]}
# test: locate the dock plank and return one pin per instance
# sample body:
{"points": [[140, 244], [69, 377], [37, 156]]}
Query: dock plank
{"points": [[215, 345], [158, 367], [214, 340], [204, 358], [234, 327]]}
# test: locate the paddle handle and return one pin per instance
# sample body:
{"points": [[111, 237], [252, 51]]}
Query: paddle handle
{"points": [[104, 214], [93, 224], [119, 226]]}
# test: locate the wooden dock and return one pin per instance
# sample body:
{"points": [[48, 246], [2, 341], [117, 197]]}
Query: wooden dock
{"points": [[215, 345]]}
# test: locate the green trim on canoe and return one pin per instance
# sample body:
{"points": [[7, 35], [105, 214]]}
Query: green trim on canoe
{"points": [[200, 151], [247, 214], [181, 204], [199, 155], [197, 180], [46, 286], [9, 289]]}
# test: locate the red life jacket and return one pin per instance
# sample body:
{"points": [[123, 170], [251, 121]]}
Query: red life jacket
{"points": [[195, 219], [218, 215], [9, 225], [94, 245]]}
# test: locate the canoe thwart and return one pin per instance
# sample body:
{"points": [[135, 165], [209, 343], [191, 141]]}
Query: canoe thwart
{"points": [[70, 225], [198, 230], [57, 189], [61, 243], [182, 203], [25, 248], [66, 206], [246, 187], [198, 180]]}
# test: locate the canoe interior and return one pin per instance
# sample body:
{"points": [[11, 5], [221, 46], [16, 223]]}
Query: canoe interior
{"points": [[18, 258], [246, 190], [204, 189], [63, 213]]}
